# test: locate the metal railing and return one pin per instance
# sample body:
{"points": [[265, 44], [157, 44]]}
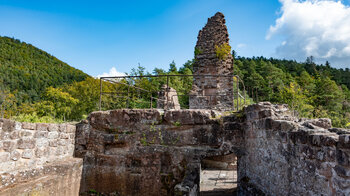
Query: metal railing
{"points": [[124, 89]]}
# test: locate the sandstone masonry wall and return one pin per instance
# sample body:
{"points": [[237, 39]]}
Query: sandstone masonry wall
{"points": [[152, 152], [157, 152], [289, 156], [212, 92], [29, 151]]}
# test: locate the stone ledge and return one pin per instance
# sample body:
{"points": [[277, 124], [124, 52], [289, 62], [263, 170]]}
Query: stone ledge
{"points": [[25, 181]]}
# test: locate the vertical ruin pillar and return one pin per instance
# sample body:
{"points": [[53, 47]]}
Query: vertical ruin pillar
{"points": [[213, 57]]}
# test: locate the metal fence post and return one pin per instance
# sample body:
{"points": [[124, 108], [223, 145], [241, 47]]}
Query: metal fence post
{"points": [[100, 94]]}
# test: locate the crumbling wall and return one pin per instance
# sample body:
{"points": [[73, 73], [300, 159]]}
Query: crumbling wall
{"points": [[288, 156], [38, 157], [156, 152], [212, 92], [150, 151]]}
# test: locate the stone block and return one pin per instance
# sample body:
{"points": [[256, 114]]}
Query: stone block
{"points": [[232, 126], [188, 117], [265, 114], [62, 142], [14, 135], [27, 154], [5, 135], [26, 143], [343, 157], [64, 135], [62, 127], [53, 127], [25, 133], [53, 135], [70, 129], [29, 126], [15, 155], [4, 157], [344, 141], [53, 143], [59, 151], [342, 171], [41, 152], [42, 126], [9, 146], [325, 123], [8, 125], [72, 136], [42, 142], [41, 134]]}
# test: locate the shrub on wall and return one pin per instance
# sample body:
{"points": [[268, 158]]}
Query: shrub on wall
{"points": [[223, 51]]}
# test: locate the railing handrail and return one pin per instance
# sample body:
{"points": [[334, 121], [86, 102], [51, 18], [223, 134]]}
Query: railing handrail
{"points": [[110, 79]]}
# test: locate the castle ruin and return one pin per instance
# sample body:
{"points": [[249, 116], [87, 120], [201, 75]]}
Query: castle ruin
{"points": [[213, 57], [159, 152]]}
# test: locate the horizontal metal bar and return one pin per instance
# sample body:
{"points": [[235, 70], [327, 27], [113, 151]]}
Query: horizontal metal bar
{"points": [[154, 76]]}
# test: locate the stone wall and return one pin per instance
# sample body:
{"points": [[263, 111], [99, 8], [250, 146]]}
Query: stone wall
{"points": [[289, 156], [212, 92], [152, 152], [159, 152], [30, 151]]}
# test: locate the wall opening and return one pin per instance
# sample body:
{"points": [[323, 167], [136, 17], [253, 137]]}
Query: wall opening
{"points": [[218, 176]]}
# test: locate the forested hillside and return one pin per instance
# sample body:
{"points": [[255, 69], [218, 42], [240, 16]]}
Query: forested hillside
{"points": [[27, 71], [313, 91]]}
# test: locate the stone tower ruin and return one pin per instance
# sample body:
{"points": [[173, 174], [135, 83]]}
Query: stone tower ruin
{"points": [[213, 57]]}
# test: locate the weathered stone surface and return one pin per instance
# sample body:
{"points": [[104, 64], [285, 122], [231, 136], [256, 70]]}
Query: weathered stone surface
{"points": [[168, 99], [41, 134], [24, 147], [270, 145], [27, 154], [70, 128], [59, 178], [9, 146], [8, 125], [53, 135], [4, 156], [321, 122], [26, 143], [15, 155], [53, 127], [29, 126], [119, 120], [212, 92], [42, 126]]}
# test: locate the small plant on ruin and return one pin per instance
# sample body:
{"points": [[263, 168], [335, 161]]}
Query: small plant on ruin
{"points": [[222, 51], [176, 140], [116, 137], [197, 51], [143, 140], [177, 124]]}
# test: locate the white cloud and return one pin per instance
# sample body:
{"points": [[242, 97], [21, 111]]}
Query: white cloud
{"points": [[320, 28], [112, 72], [241, 45]]}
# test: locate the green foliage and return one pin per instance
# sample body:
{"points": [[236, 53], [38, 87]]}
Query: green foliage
{"points": [[312, 91], [296, 99], [223, 51], [177, 124], [28, 71], [197, 51], [34, 118]]}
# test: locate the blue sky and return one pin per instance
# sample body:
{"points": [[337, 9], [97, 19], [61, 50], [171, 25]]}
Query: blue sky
{"points": [[95, 36]]}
